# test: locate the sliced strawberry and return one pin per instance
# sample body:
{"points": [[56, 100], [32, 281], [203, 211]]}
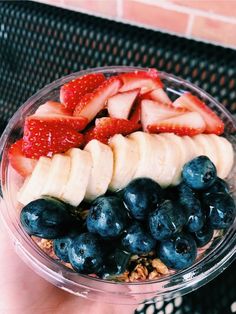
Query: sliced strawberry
{"points": [[158, 95], [213, 123], [107, 127], [135, 115], [73, 91], [119, 105], [146, 81], [52, 107], [152, 112], [92, 103], [45, 138], [76, 123], [189, 123], [23, 165]]}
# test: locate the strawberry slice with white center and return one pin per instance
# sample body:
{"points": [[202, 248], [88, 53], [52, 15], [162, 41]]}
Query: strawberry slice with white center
{"points": [[152, 112], [73, 91], [52, 107], [119, 105], [189, 123], [47, 137], [107, 127], [92, 103], [146, 81], [23, 165], [76, 123], [158, 95], [214, 124]]}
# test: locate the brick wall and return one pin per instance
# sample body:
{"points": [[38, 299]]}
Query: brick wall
{"points": [[207, 20]]}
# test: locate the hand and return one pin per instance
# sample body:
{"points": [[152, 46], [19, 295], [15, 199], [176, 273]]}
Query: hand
{"points": [[24, 292]]}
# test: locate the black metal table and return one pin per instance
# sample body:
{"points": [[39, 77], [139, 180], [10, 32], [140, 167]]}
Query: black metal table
{"points": [[39, 44]]}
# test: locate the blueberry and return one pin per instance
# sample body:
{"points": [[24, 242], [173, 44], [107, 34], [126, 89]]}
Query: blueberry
{"points": [[220, 210], [137, 240], [107, 216], [115, 264], [86, 253], [203, 236], [192, 207], [62, 245], [46, 218], [166, 220], [218, 186], [141, 196], [199, 173], [178, 252]]}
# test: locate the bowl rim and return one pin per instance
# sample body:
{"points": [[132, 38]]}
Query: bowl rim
{"points": [[27, 247]]}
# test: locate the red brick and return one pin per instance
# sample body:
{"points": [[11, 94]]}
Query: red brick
{"points": [[222, 7], [155, 16], [104, 7], [214, 30]]}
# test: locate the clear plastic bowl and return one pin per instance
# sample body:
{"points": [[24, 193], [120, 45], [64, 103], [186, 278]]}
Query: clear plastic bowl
{"points": [[214, 260]]}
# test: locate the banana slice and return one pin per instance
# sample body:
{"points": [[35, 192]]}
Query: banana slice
{"points": [[81, 165], [102, 167], [57, 176], [225, 155], [126, 157], [206, 143], [193, 150], [179, 146], [34, 184]]}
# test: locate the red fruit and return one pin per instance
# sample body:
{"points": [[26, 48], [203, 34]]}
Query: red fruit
{"points": [[48, 137], [119, 105], [189, 123], [52, 107], [152, 112], [23, 165], [107, 127], [135, 115], [73, 91], [213, 123], [158, 95], [146, 81], [76, 123]]}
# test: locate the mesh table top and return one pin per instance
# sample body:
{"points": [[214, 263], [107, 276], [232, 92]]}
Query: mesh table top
{"points": [[39, 44]]}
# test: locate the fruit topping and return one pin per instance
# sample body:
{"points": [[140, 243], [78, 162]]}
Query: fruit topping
{"points": [[158, 95], [141, 196], [73, 91], [166, 220], [119, 106], [213, 123], [147, 81], [45, 138], [218, 186], [178, 252], [199, 173], [137, 240], [23, 165], [204, 235], [86, 253], [92, 103], [107, 127], [46, 218], [220, 210], [52, 107], [189, 123], [107, 217]]}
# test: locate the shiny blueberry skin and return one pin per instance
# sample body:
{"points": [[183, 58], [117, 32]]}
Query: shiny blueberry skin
{"points": [[62, 245], [86, 253], [203, 236], [218, 186], [166, 220], [221, 211], [137, 240], [46, 218], [115, 264], [178, 252], [192, 207], [141, 196], [199, 173], [107, 216]]}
